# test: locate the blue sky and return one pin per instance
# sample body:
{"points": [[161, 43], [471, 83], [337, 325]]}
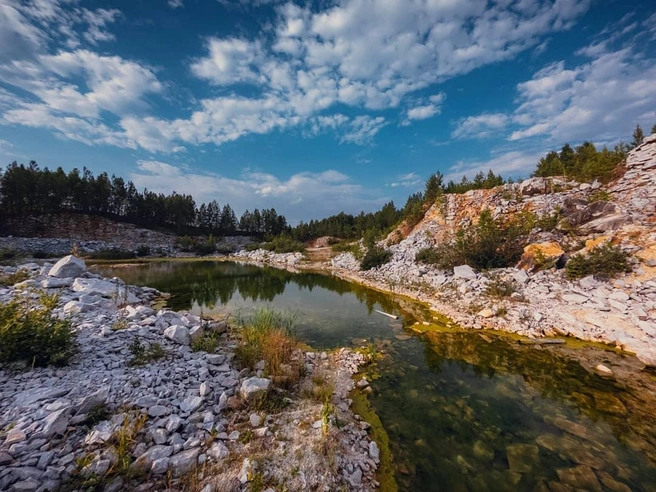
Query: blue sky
{"points": [[317, 107]]}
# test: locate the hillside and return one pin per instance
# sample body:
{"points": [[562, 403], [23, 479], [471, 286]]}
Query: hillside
{"points": [[620, 311]]}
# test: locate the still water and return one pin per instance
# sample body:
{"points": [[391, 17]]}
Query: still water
{"points": [[463, 410]]}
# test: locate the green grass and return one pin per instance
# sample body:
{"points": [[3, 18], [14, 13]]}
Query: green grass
{"points": [[14, 278], [142, 355], [267, 334]]}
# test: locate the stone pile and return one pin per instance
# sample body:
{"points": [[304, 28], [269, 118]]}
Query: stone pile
{"points": [[53, 425], [262, 256]]}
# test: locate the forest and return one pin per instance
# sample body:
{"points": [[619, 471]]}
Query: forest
{"points": [[28, 189]]}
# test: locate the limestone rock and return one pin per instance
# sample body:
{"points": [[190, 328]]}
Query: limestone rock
{"points": [[68, 266], [191, 404], [537, 255], [184, 461], [253, 388], [464, 271], [178, 334]]}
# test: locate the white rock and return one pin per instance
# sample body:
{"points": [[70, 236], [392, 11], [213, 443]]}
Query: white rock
{"points": [[160, 466], [374, 452], [183, 462], [178, 334], [95, 286], [68, 266], [173, 423], [56, 423], [464, 271], [196, 332], [252, 388], [204, 389], [56, 283], [255, 420], [603, 370], [191, 404], [218, 451]]}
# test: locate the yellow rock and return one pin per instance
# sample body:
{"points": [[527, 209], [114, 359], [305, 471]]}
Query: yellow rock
{"points": [[540, 255], [593, 243]]}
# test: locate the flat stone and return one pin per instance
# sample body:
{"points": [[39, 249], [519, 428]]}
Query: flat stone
{"points": [[178, 333], [5, 458], [191, 404], [580, 477], [56, 423], [34, 395], [14, 436], [522, 457], [160, 466], [464, 271], [173, 423], [215, 359], [158, 411]]}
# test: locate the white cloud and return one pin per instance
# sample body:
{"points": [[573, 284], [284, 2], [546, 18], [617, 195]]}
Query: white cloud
{"points": [[511, 163], [176, 4], [481, 126], [599, 100], [366, 54], [302, 196], [406, 180]]}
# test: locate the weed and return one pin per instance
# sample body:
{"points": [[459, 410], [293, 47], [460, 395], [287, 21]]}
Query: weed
{"points": [[33, 333], [7, 254], [501, 311], [604, 261], [142, 355], [498, 287], [600, 196], [246, 436], [120, 324], [207, 343], [97, 414], [14, 278]]}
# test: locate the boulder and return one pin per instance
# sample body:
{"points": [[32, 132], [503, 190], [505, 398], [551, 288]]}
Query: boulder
{"points": [[178, 333], [534, 186], [538, 255], [196, 332], [95, 286], [464, 271], [183, 462], [68, 266], [252, 388], [56, 283]]}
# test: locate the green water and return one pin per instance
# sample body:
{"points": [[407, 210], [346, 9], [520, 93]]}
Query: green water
{"points": [[463, 410]]}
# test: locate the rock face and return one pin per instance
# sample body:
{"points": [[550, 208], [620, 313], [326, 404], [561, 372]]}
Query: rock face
{"points": [[68, 266]]}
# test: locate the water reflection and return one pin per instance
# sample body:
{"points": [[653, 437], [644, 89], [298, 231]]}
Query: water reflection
{"points": [[463, 410]]}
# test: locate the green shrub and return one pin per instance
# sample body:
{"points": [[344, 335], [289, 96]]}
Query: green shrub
{"points": [[488, 244], [204, 249], [142, 355], [284, 244], [333, 241], [500, 288], [548, 222], [600, 196], [604, 261], [252, 246], [375, 257], [186, 243], [346, 248], [112, 254], [428, 256], [14, 278], [207, 343], [7, 254], [225, 249], [33, 334], [143, 250]]}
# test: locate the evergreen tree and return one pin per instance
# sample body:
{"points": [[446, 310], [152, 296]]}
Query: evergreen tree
{"points": [[638, 137], [434, 187]]}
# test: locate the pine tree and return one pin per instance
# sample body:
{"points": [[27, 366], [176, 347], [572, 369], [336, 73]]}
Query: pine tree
{"points": [[433, 187], [653, 129], [638, 136]]}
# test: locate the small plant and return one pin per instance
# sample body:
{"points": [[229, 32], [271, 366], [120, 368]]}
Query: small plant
{"points": [[500, 288], [375, 257], [14, 278], [205, 248], [284, 244], [267, 335], [143, 250], [32, 333], [185, 243], [7, 254], [120, 324], [501, 311], [97, 414], [605, 261], [142, 355], [600, 196], [548, 222], [207, 343], [428, 256], [246, 436], [253, 246]]}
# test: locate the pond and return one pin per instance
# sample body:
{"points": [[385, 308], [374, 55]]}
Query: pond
{"points": [[464, 410]]}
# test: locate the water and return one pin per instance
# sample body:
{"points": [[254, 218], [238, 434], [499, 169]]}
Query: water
{"points": [[463, 410]]}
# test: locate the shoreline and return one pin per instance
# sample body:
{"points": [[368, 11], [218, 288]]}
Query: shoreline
{"points": [[191, 415]]}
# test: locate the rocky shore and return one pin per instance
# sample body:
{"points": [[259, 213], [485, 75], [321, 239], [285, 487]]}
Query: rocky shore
{"points": [[138, 409], [621, 311]]}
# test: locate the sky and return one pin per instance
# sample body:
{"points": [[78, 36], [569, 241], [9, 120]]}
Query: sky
{"points": [[317, 107]]}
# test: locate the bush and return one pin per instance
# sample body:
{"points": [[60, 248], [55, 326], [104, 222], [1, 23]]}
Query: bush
{"points": [[346, 248], [375, 257], [488, 244], [205, 248], [7, 254], [428, 256], [33, 334], [225, 249], [500, 288], [253, 246], [284, 244], [142, 355], [143, 250], [112, 254], [14, 278], [186, 243], [207, 343], [604, 261]]}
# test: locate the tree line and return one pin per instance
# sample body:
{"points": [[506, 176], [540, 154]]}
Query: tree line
{"points": [[32, 190]]}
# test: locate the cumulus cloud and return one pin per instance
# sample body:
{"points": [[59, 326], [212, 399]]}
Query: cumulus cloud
{"points": [[302, 196], [480, 126], [513, 163], [369, 55], [176, 4]]}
